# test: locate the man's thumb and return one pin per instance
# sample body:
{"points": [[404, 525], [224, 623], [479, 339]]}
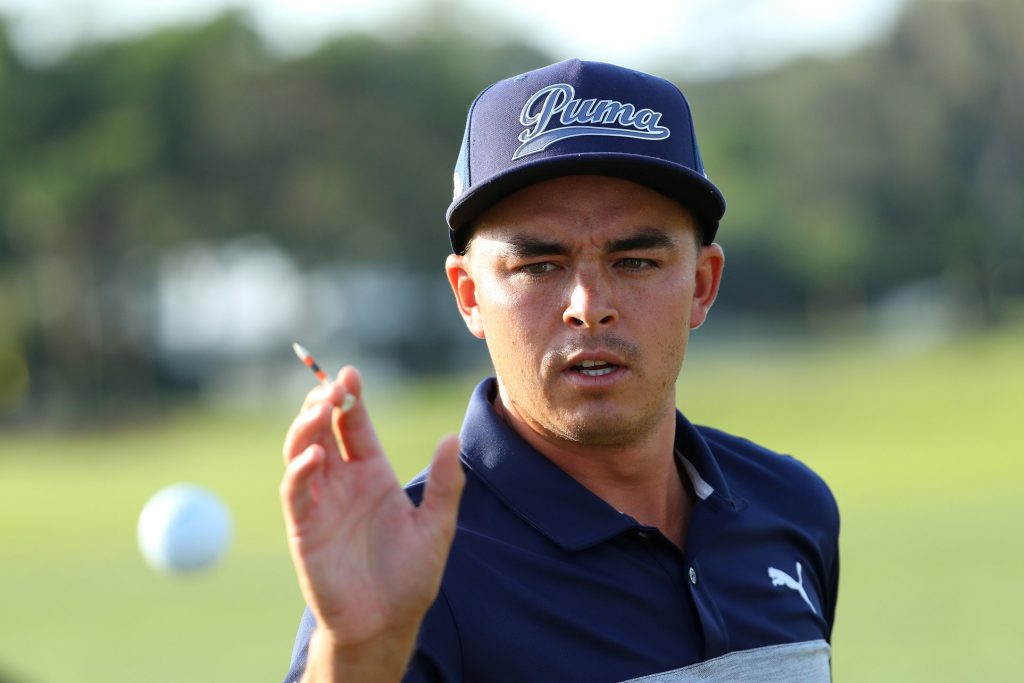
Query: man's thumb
{"points": [[444, 486]]}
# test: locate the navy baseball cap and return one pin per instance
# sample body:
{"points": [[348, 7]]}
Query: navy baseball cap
{"points": [[580, 118]]}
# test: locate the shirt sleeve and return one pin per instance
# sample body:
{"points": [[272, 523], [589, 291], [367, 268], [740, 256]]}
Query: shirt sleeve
{"points": [[300, 651], [829, 604], [437, 658]]}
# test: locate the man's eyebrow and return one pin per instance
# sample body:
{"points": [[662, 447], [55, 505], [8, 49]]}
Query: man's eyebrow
{"points": [[528, 246], [647, 238], [524, 246]]}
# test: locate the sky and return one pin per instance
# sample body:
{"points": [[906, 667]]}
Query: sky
{"points": [[699, 37]]}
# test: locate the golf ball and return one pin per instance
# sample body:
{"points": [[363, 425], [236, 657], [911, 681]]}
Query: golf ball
{"points": [[184, 528]]}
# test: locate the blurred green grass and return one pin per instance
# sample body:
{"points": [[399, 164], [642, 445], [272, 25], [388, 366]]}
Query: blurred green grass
{"points": [[921, 448]]}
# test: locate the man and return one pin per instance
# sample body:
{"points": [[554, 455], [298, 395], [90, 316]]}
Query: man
{"points": [[598, 535]]}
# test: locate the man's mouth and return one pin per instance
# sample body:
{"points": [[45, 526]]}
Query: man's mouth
{"points": [[594, 368]]}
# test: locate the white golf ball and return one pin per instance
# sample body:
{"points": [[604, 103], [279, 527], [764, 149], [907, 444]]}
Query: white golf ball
{"points": [[184, 528]]}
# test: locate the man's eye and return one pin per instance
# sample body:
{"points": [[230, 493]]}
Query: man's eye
{"points": [[636, 263], [538, 268]]}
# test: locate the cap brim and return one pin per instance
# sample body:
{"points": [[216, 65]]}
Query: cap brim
{"points": [[689, 188]]}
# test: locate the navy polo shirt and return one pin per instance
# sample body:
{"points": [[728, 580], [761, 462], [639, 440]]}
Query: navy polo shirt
{"points": [[547, 582]]}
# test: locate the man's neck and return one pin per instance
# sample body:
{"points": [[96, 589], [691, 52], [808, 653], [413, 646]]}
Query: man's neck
{"points": [[640, 479]]}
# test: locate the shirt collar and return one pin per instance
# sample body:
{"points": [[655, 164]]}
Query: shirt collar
{"points": [[549, 499]]}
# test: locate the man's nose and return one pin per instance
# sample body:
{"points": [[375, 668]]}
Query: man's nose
{"points": [[590, 305]]}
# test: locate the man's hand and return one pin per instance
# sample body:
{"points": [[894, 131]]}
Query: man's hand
{"points": [[369, 562]]}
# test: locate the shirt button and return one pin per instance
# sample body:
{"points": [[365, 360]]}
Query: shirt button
{"points": [[642, 534], [693, 576]]}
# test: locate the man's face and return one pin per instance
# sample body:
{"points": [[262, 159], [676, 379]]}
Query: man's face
{"points": [[586, 288]]}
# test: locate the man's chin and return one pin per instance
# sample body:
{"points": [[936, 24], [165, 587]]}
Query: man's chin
{"points": [[601, 428]]}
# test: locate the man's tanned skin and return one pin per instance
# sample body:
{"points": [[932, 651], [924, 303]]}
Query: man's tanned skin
{"points": [[580, 268]]}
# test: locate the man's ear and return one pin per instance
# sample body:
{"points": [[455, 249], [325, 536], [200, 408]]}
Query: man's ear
{"points": [[707, 278], [464, 289]]}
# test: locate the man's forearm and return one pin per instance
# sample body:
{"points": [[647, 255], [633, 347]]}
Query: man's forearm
{"points": [[383, 660]]}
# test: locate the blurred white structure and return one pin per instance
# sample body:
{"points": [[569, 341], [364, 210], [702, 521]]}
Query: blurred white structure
{"points": [[225, 317], [245, 297]]}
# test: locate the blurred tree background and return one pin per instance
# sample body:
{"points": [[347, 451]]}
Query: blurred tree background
{"points": [[893, 173]]}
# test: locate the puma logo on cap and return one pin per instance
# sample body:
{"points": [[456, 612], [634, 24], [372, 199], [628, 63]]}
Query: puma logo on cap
{"points": [[576, 116]]}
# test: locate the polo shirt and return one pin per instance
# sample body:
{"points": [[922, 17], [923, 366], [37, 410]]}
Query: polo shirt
{"points": [[547, 582]]}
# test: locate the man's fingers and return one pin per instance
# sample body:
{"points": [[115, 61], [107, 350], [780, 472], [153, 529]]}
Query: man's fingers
{"points": [[358, 439], [298, 486], [311, 425], [319, 394], [444, 486]]}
